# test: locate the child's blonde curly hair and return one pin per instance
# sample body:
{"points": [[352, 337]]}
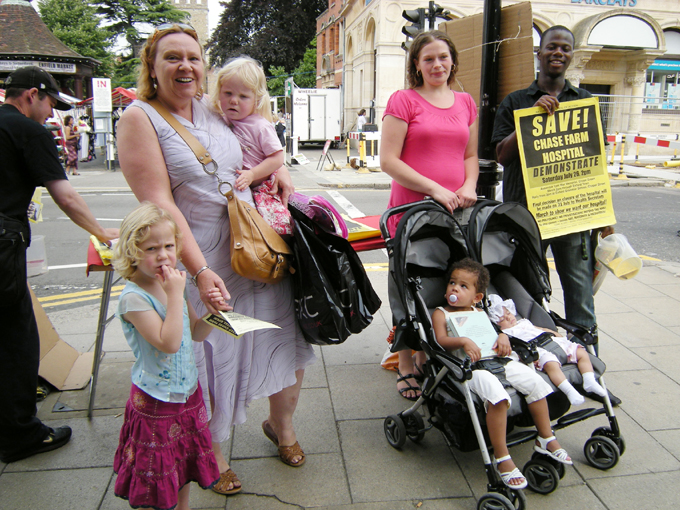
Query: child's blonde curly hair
{"points": [[249, 71], [134, 231]]}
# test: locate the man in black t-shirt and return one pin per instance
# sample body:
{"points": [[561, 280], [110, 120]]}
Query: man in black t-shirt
{"points": [[572, 252], [29, 159]]}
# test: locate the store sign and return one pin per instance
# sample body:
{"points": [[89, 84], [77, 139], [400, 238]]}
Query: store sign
{"points": [[665, 65], [101, 93], [620, 3], [50, 67]]}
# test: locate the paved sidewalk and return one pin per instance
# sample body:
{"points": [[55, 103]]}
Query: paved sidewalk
{"points": [[346, 396]]}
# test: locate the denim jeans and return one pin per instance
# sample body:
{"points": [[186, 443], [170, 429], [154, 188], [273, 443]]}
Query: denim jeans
{"points": [[574, 264]]}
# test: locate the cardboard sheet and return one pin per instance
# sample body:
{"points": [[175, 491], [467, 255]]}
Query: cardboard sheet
{"points": [[60, 364], [516, 52]]}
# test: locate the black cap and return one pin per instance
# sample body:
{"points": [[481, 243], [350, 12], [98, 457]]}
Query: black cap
{"points": [[34, 77]]}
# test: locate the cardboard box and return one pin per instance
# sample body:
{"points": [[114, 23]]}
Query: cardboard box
{"points": [[60, 364], [516, 52]]}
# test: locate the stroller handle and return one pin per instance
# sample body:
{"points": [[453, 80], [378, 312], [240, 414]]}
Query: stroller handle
{"points": [[402, 209]]}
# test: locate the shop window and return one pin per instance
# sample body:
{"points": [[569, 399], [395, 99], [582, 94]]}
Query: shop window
{"points": [[662, 89]]}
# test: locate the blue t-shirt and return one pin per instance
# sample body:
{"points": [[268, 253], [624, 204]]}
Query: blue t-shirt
{"points": [[166, 377]]}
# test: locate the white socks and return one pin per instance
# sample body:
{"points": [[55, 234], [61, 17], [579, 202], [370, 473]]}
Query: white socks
{"points": [[591, 385], [574, 396]]}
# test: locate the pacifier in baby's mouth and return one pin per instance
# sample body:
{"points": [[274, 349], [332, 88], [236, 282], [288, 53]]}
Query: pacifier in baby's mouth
{"points": [[452, 299]]}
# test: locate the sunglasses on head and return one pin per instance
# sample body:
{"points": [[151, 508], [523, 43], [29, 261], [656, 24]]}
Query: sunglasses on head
{"points": [[167, 26]]}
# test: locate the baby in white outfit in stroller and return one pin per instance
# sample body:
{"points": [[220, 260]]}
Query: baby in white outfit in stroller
{"points": [[503, 313]]}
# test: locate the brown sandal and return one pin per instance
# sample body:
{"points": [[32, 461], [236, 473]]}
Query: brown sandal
{"points": [[227, 478], [286, 453]]}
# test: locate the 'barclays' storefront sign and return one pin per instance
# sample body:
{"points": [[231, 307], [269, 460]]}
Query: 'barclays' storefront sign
{"points": [[620, 3]]}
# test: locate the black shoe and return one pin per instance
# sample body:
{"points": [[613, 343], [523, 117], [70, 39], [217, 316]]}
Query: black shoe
{"points": [[55, 439]]}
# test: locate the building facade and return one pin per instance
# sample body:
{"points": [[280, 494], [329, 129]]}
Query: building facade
{"points": [[25, 40], [198, 12], [329, 47], [626, 50]]}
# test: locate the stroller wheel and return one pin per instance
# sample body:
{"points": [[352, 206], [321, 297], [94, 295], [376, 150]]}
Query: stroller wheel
{"points": [[415, 427], [395, 431], [559, 467], [601, 452], [541, 476], [494, 501], [608, 432]]}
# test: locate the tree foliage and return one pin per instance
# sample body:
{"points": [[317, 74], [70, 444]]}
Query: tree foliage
{"points": [[304, 75], [131, 19], [275, 32], [76, 24]]}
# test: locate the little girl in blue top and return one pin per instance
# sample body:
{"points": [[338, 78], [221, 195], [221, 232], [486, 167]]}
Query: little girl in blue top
{"points": [[164, 442]]}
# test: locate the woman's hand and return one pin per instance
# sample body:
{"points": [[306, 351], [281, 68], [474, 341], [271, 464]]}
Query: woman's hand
{"points": [[206, 281], [467, 195], [447, 198], [283, 183]]}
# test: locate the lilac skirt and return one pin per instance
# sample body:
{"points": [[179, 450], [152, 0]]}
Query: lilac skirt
{"points": [[163, 446]]}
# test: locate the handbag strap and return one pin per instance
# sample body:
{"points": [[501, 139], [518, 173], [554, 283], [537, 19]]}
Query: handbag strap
{"points": [[197, 148]]}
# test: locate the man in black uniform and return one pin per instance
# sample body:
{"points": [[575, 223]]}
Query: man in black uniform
{"points": [[29, 159], [572, 252]]}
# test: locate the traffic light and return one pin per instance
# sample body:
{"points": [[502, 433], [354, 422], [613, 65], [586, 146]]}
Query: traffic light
{"points": [[436, 11], [417, 19]]}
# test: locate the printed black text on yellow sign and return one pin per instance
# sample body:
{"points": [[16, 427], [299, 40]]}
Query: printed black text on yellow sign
{"points": [[564, 167]]}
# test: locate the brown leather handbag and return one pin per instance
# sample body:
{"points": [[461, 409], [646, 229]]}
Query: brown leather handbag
{"points": [[257, 251]]}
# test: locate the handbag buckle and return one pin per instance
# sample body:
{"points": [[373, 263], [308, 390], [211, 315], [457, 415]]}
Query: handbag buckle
{"points": [[205, 167], [219, 188]]}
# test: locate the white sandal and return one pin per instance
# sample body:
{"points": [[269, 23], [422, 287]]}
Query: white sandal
{"points": [[510, 475], [559, 455]]}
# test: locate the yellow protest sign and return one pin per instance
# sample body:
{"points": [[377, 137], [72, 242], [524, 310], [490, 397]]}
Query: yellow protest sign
{"points": [[565, 168]]}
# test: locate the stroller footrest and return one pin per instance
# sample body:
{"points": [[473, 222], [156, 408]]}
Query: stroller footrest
{"points": [[520, 437], [580, 415]]}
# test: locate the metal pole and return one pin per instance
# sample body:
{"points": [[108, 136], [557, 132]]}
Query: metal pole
{"points": [[489, 79]]}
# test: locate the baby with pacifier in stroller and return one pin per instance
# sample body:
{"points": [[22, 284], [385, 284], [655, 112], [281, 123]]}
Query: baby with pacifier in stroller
{"points": [[503, 314], [466, 287]]}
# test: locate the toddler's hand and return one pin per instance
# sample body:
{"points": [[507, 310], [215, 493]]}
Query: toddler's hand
{"points": [[244, 180], [172, 280], [217, 300], [502, 346], [472, 350]]}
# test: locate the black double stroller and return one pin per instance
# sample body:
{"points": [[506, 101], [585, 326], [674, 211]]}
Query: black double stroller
{"points": [[505, 238]]}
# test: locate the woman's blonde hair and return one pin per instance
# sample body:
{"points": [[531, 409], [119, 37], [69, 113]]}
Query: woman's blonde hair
{"points": [[134, 231], [145, 83], [249, 71]]}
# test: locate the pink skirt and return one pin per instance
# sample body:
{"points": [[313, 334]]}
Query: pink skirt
{"points": [[163, 446]]}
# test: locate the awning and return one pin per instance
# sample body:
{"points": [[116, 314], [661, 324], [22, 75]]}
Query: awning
{"points": [[120, 98]]}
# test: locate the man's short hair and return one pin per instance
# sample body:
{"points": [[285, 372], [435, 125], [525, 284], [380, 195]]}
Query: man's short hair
{"points": [[554, 29]]}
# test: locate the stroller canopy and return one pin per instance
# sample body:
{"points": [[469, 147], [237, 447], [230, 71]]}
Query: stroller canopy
{"points": [[505, 236], [427, 241]]}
